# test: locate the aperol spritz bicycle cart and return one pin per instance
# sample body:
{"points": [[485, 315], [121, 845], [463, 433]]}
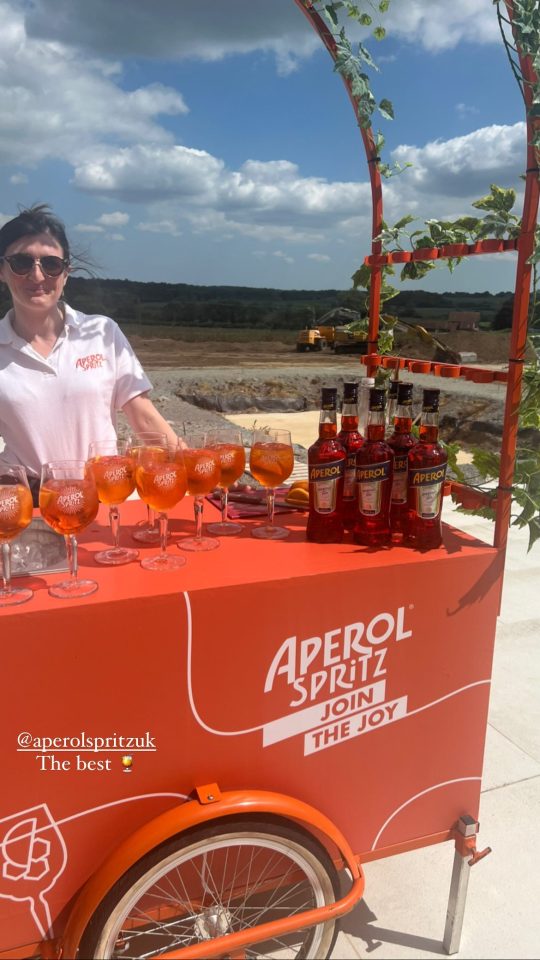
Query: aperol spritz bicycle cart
{"points": [[190, 758]]}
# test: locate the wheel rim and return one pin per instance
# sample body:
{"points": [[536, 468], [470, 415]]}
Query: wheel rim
{"points": [[217, 886]]}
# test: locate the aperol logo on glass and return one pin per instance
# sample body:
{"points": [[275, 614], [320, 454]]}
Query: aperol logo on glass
{"points": [[92, 362], [347, 668]]}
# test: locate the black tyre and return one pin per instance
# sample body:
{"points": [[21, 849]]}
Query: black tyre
{"points": [[216, 880]]}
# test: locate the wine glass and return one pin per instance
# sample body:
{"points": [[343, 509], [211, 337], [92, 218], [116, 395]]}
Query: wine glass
{"points": [[113, 468], [160, 476], [148, 532], [203, 475], [227, 443], [15, 515], [271, 462], [68, 501]]}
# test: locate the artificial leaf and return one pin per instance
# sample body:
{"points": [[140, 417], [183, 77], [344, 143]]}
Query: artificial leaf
{"points": [[387, 110], [332, 13]]}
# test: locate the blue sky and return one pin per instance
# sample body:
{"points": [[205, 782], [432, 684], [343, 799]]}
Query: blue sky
{"points": [[210, 142]]}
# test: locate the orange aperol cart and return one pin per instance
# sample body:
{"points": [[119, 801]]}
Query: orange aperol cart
{"points": [[190, 758]]}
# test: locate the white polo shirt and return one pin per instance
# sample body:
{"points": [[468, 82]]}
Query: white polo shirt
{"points": [[50, 409]]}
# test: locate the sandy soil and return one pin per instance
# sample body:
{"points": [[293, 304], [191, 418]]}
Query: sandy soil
{"points": [[199, 383]]}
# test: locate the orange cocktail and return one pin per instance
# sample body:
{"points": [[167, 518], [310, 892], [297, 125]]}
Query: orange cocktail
{"points": [[160, 483], [203, 475], [227, 443], [271, 463], [68, 506], [203, 470], [113, 469], [68, 502], [15, 510], [114, 476], [15, 514], [161, 480]]}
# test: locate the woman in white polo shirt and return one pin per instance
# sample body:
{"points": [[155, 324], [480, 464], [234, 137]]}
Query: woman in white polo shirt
{"points": [[63, 374]]}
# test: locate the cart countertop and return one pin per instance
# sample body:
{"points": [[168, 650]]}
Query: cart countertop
{"points": [[239, 560]]}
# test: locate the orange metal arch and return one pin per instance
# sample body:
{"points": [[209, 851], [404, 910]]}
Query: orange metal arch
{"points": [[523, 271], [193, 813]]}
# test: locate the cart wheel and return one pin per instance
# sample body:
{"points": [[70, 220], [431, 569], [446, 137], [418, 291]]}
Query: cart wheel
{"points": [[216, 880]]}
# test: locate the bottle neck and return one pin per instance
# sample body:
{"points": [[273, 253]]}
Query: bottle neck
{"points": [[349, 417], [327, 424], [376, 425], [391, 410], [403, 419], [429, 427]]}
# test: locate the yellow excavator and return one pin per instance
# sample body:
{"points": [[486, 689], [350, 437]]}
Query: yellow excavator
{"points": [[332, 332], [342, 336]]}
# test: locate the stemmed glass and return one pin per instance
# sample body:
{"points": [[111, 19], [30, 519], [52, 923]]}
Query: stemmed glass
{"points": [[114, 472], [68, 501], [161, 479], [148, 532], [15, 515], [203, 475], [227, 443], [271, 462]]}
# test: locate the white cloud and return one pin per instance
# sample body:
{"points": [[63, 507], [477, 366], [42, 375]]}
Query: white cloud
{"points": [[282, 256], [17, 178], [149, 172], [464, 166], [319, 257], [466, 109], [216, 29], [88, 228], [207, 31], [160, 226], [116, 219], [43, 87], [116, 236]]}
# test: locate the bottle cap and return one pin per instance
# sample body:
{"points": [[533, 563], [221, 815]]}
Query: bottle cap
{"points": [[350, 392], [393, 389], [431, 401], [377, 398], [404, 394], [329, 398]]}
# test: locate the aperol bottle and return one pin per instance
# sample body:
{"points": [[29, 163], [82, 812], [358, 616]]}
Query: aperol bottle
{"points": [[350, 437], [326, 469], [374, 473], [427, 463], [401, 441]]}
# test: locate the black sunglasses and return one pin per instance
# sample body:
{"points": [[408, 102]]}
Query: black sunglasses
{"points": [[22, 263]]}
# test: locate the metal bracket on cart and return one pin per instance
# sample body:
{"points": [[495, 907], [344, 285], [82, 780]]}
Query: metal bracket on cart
{"points": [[466, 855]]}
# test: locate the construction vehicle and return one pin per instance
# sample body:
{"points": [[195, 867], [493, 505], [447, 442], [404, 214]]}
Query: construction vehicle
{"points": [[332, 332]]}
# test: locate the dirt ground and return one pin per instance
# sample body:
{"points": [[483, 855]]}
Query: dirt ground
{"points": [[155, 352]]}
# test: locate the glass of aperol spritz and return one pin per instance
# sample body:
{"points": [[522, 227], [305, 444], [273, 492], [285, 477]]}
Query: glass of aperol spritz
{"points": [[227, 443], [147, 532], [271, 461], [15, 515], [68, 501], [113, 467], [161, 480], [203, 475]]}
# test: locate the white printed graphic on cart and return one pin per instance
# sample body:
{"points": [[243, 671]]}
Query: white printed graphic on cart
{"points": [[353, 669], [33, 855]]}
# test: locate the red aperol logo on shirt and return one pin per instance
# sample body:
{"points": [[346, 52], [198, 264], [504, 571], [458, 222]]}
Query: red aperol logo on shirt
{"points": [[91, 362]]}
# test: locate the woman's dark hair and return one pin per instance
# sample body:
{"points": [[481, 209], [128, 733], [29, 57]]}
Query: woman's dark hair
{"points": [[31, 221]]}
